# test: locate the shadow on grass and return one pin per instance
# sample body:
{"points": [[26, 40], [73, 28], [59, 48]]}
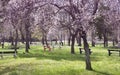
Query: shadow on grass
{"points": [[103, 73], [13, 71], [6, 70], [56, 56], [52, 56]]}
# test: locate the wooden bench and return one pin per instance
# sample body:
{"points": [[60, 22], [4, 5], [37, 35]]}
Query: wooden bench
{"points": [[7, 53], [82, 49], [113, 50]]}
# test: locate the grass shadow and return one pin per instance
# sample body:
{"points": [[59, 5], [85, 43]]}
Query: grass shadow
{"points": [[103, 73], [6, 70], [57, 56]]}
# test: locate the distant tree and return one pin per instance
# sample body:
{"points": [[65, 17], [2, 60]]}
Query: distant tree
{"points": [[106, 20], [45, 21], [3, 4], [24, 16]]}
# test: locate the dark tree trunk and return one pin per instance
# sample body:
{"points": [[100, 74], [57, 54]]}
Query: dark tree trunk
{"points": [[104, 42], [79, 40], [11, 39], [116, 41], [93, 39], [27, 38], [27, 45], [73, 36], [30, 37], [87, 52], [3, 41], [113, 42], [93, 43], [22, 35], [22, 38], [12, 42], [64, 39], [16, 41], [43, 40], [61, 40], [46, 41], [105, 39], [72, 44], [56, 41], [69, 40]]}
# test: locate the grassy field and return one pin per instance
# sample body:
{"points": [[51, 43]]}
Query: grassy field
{"points": [[59, 62]]}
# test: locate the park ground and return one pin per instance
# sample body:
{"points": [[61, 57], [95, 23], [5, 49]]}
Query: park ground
{"points": [[59, 62]]}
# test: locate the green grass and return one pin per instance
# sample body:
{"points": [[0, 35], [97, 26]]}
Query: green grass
{"points": [[59, 62]]}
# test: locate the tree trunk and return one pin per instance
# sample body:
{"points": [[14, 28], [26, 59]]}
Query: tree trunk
{"points": [[113, 42], [87, 52], [22, 37], [93, 42], [79, 40], [16, 41], [69, 40], [43, 40], [64, 39], [105, 38], [116, 41], [46, 41], [104, 41], [27, 38], [61, 40], [11, 39], [72, 44], [12, 42], [56, 41], [30, 37], [3, 41], [27, 45]]}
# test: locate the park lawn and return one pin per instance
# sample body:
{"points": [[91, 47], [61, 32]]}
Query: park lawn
{"points": [[59, 62]]}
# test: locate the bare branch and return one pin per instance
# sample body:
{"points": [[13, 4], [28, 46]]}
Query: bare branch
{"points": [[96, 2]]}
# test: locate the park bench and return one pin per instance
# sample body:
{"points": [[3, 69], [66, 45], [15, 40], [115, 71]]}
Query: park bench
{"points": [[82, 49], [113, 50], [2, 53]]}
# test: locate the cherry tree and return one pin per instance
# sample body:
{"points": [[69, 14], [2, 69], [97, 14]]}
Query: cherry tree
{"points": [[44, 20], [108, 12], [3, 4], [79, 21]]}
